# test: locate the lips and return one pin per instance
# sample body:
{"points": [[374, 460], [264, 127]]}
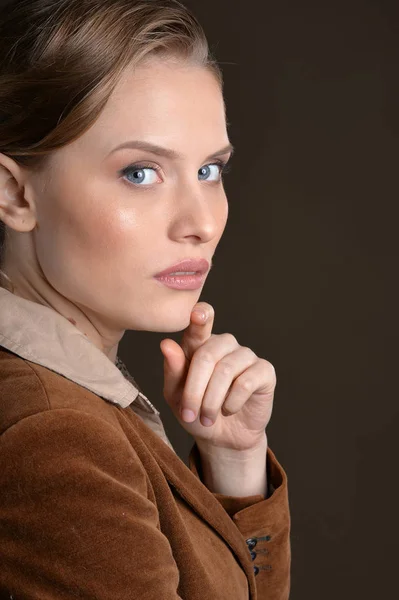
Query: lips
{"points": [[191, 264]]}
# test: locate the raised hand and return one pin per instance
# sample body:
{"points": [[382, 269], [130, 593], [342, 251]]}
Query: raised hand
{"points": [[219, 380]]}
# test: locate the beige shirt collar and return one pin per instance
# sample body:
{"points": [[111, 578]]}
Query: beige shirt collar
{"points": [[41, 335]]}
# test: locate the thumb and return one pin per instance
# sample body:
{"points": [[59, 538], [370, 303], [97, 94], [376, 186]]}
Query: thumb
{"points": [[175, 371]]}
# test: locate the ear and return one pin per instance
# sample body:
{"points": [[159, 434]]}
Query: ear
{"points": [[17, 210]]}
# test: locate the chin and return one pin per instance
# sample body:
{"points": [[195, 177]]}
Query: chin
{"points": [[163, 314], [171, 324], [163, 321]]}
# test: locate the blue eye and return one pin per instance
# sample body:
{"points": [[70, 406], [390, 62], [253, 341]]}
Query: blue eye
{"points": [[220, 169], [203, 172], [145, 174], [140, 174]]}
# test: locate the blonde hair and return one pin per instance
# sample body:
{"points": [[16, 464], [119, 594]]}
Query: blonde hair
{"points": [[60, 60]]}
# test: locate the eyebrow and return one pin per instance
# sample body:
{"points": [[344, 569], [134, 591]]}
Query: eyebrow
{"points": [[166, 152]]}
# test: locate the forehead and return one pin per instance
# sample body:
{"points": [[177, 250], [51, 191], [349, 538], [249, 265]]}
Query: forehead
{"points": [[163, 102]]}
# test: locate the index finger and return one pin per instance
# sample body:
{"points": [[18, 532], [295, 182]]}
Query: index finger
{"points": [[198, 331]]}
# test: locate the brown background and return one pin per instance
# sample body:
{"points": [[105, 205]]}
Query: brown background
{"points": [[306, 271]]}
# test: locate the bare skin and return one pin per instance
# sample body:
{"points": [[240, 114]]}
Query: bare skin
{"points": [[86, 240]]}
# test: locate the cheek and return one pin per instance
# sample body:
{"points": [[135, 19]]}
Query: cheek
{"points": [[102, 235], [82, 241]]}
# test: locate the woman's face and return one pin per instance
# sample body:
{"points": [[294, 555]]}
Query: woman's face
{"points": [[109, 220]]}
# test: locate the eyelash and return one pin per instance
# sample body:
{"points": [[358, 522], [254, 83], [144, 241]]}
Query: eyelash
{"points": [[225, 167]]}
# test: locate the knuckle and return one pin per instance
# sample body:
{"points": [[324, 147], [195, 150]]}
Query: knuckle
{"points": [[225, 367], [205, 356], [249, 351], [230, 338], [267, 362], [244, 384], [270, 367], [271, 370]]}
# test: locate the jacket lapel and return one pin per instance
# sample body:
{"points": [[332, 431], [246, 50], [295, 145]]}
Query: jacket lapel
{"points": [[201, 500]]}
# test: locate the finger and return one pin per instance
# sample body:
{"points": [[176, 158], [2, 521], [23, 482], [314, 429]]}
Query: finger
{"points": [[259, 376], [201, 369], [222, 381], [175, 368], [199, 330]]}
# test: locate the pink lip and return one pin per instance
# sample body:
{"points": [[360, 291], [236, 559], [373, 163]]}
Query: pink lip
{"points": [[200, 266], [185, 282], [182, 282]]}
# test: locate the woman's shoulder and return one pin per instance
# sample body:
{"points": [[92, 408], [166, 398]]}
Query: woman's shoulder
{"points": [[28, 388]]}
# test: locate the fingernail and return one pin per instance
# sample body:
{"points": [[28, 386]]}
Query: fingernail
{"points": [[200, 314], [207, 422], [188, 415]]}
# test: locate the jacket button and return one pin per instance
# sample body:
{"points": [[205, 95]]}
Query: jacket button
{"points": [[253, 555], [251, 542], [256, 570]]}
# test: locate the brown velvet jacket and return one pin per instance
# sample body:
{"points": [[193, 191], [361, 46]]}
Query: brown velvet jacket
{"points": [[94, 501]]}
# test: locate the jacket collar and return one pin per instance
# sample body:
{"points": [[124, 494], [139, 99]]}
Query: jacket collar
{"points": [[40, 334]]}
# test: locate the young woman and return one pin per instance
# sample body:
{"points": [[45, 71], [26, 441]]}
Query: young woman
{"points": [[113, 144]]}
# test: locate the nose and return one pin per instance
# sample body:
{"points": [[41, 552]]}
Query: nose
{"points": [[199, 213]]}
